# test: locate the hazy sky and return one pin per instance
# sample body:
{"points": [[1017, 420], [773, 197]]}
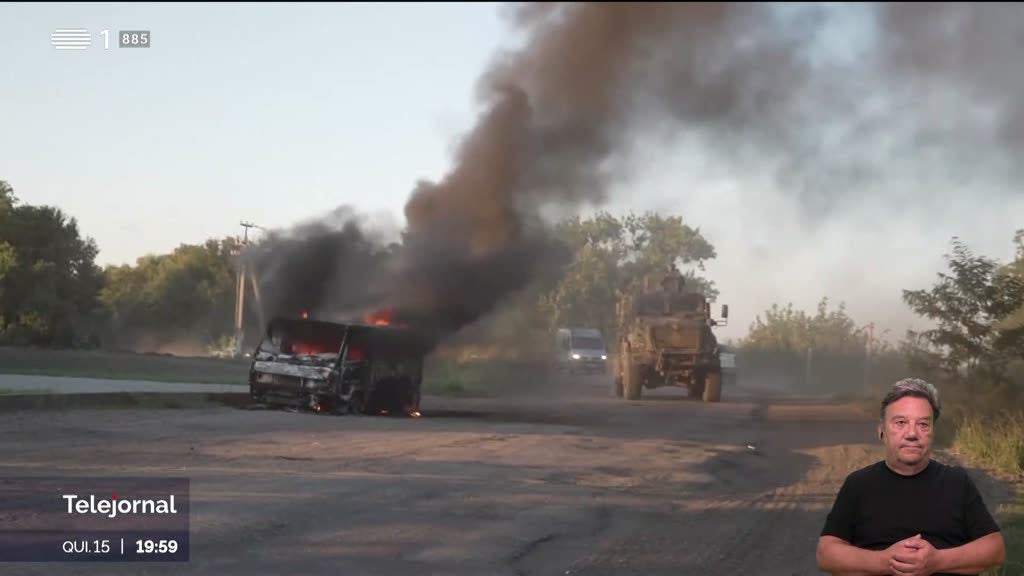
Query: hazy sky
{"points": [[269, 113], [278, 113]]}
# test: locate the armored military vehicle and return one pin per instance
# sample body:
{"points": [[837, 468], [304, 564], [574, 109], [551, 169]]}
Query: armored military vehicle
{"points": [[666, 340]]}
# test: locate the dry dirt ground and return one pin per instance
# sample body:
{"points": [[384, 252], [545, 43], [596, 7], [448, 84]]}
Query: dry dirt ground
{"points": [[574, 482]]}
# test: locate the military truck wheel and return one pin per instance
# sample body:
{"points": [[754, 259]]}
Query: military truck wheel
{"points": [[695, 388], [713, 387], [631, 382]]}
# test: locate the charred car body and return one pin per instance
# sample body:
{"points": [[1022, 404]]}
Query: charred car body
{"points": [[666, 340], [338, 367]]}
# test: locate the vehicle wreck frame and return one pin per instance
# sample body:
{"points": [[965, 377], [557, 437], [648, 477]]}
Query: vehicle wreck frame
{"points": [[338, 367]]}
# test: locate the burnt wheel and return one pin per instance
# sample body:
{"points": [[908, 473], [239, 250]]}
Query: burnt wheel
{"points": [[357, 403]]}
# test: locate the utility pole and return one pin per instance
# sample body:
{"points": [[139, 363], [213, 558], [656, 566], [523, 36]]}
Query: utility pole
{"points": [[867, 355], [240, 299], [247, 225]]}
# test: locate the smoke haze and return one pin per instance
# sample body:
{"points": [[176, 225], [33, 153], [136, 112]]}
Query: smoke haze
{"points": [[824, 151]]}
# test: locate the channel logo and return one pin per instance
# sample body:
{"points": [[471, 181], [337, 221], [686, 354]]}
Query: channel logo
{"points": [[70, 39]]}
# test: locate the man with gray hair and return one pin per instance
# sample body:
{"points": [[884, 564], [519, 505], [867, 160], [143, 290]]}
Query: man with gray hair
{"points": [[909, 515]]}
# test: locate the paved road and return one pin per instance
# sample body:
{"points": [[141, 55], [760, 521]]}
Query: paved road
{"points": [[24, 384], [574, 482]]}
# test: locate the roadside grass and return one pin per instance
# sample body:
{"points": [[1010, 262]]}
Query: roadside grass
{"points": [[1011, 521], [122, 366], [480, 379], [993, 441], [997, 442]]}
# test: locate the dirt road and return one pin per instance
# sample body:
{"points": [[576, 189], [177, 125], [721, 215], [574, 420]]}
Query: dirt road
{"points": [[577, 483]]}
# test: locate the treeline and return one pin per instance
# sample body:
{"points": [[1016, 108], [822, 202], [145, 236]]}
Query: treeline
{"points": [[53, 294], [49, 282], [974, 353], [822, 352], [975, 348], [610, 256]]}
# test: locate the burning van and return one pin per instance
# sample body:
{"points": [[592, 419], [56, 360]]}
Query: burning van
{"points": [[338, 367]]}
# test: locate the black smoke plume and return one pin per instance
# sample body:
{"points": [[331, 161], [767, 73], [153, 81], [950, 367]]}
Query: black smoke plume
{"points": [[755, 83]]}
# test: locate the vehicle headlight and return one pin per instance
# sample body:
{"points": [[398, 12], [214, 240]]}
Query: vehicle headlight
{"points": [[604, 357], [575, 356]]}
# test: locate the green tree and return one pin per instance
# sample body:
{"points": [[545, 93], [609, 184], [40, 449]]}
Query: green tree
{"points": [[781, 329], [611, 256], [188, 293], [8, 259], [790, 330], [48, 278], [1014, 320], [7, 199], [974, 307], [657, 243]]}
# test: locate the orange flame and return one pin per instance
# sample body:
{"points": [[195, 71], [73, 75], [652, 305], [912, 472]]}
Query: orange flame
{"points": [[307, 349], [380, 317]]}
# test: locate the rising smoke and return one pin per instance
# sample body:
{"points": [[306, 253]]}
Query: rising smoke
{"points": [[822, 104], [330, 268]]}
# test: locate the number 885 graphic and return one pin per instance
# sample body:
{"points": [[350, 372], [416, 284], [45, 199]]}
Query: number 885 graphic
{"points": [[133, 38]]}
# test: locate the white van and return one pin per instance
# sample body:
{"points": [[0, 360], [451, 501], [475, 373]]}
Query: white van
{"points": [[727, 359], [581, 350]]}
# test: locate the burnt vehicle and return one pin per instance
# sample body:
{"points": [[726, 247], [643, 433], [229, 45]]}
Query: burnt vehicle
{"points": [[338, 367], [666, 340]]}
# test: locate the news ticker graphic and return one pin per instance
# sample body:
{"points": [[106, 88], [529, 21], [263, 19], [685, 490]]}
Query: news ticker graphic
{"points": [[80, 38], [94, 519]]}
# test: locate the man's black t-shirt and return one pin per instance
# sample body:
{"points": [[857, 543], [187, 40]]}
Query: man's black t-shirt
{"points": [[877, 507]]}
